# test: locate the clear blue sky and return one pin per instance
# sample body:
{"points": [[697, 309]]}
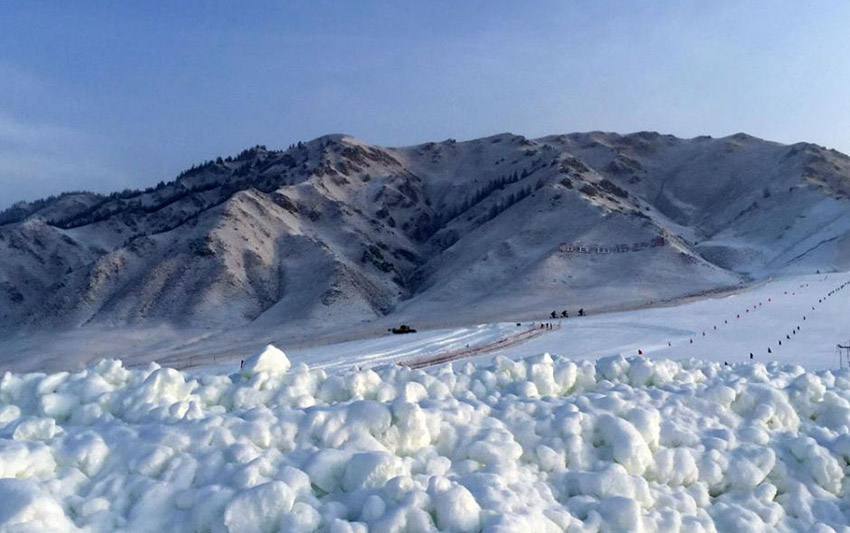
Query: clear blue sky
{"points": [[107, 95]]}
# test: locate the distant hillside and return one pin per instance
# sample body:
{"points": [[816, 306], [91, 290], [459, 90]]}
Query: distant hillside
{"points": [[337, 231]]}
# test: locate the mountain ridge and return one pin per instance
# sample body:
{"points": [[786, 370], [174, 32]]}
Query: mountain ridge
{"points": [[335, 230]]}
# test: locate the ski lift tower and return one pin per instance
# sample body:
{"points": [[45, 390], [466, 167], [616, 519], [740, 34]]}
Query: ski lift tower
{"points": [[843, 354]]}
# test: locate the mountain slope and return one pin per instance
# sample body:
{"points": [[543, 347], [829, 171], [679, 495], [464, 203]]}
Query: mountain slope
{"points": [[335, 231]]}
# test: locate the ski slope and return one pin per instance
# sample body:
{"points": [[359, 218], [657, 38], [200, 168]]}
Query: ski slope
{"points": [[375, 351], [734, 325], [724, 329]]}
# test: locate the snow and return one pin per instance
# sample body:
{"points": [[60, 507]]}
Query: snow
{"points": [[455, 507], [259, 509], [27, 507], [566, 431], [543, 443], [734, 325], [271, 360]]}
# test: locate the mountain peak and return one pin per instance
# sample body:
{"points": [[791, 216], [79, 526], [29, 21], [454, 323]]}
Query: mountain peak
{"points": [[368, 231]]}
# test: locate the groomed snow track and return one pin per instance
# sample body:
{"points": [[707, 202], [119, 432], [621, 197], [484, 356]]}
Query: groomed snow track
{"points": [[454, 355]]}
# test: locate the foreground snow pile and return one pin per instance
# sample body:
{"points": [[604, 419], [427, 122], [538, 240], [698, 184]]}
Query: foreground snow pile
{"points": [[532, 446]]}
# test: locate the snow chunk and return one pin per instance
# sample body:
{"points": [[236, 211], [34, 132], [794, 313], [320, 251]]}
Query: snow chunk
{"points": [[25, 459], [371, 469], [260, 509], [612, 368], [767, 405], [31, 428], [25, 507], [270, 360], [456, 508], [675, 466], [326, 468], [749, 466], [621, 514], [58, 406], [627, 444], [825, 470], [302, 519], [87, 451], [613, 481]]}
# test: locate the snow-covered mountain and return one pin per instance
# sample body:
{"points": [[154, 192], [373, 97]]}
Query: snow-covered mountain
{"points": [[338, 231]]}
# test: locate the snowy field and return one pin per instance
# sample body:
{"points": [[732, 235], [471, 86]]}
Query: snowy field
{"points": [[508, 439], [722, 329]]}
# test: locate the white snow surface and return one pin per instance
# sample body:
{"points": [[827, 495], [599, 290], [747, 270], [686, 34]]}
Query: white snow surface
{"points": [[345, 438], [543, 444], [724, 328]]}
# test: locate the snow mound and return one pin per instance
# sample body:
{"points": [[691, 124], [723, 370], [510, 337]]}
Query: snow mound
{"points": [[271, 360], [24, 506], [545, 444]]}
